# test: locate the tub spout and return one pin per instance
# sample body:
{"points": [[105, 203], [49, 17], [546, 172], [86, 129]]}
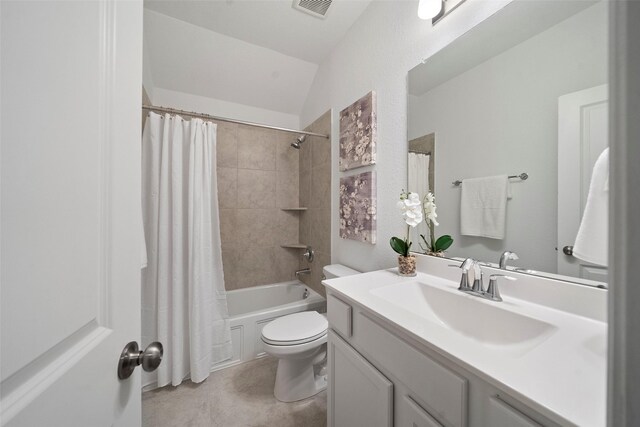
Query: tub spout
{"points": [[303, 271]]}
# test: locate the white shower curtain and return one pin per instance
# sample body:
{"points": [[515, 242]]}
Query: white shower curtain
{"points": [[418, 182], [183, 297]]}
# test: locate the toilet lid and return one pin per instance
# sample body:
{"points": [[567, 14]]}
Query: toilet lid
{"points": [[296, 328]]}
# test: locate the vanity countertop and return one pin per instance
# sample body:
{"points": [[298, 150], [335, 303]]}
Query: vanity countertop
{"points": [[557, 367]]}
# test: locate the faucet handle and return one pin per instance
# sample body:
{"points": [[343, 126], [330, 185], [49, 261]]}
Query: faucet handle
{"points": [[478, 278], [493, 293], [464, 279]]}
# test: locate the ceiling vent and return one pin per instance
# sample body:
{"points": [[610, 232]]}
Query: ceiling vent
{"points": [[317, 8]]}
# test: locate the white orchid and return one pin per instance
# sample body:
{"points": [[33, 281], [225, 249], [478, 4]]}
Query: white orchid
{"points": [[444, 242], [410, 206], [430, 208]]}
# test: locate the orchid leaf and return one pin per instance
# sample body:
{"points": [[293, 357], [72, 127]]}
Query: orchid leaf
{"points": [[443, 243], [400, 246]]}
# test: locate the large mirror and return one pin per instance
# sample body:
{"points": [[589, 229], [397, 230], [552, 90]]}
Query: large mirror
{"points": [[517, 111]]}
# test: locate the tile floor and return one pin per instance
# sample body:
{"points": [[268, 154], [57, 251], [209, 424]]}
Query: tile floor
{"points": [[241, 396]]}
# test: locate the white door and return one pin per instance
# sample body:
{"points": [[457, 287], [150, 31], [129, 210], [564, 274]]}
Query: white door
{"points": [[583, 124], [70, 211]]}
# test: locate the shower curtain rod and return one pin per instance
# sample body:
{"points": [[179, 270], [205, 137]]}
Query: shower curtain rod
{"points": [[224, 119]]}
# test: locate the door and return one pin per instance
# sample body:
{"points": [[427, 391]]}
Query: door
{"points": [[359, 395], [70, 211], [583, 133]]}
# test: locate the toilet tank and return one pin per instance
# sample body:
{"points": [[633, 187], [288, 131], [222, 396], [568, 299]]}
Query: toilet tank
{"points": [[337, 270]]}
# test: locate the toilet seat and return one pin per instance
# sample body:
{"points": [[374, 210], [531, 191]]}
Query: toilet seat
{"points": [[295, 329]]}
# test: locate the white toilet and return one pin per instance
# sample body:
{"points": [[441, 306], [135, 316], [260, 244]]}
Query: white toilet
{"points": [[299, 340]]}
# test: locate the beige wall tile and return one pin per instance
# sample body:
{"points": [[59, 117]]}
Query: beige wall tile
{"points": [[305, 155], [227, 145], [255, 266], [228, 226], [256, 189], [304, 235], [315, 193], [305, 187], [287, 189], [256, 148], [287, 165], [229, 266], [288, 158], [258, 173], [320, 229], [227, 187], [287, 227], [320, 151], [286, 263], [257, 227], [320, 187]]}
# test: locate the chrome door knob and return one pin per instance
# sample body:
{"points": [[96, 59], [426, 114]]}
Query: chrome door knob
{"points": [[568, 250], [131, 357]]}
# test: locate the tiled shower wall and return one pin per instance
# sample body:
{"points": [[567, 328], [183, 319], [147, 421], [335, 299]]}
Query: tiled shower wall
{"points": [[315, 194], [258, 175]]}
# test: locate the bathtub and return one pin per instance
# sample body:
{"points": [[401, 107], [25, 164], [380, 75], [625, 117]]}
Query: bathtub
{"points": [[252, 308]]}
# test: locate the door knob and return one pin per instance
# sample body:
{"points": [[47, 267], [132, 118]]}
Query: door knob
{"points": [[131, 357], [568, 250]]}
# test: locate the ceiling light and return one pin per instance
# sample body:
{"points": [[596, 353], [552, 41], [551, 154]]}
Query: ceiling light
{"points": [[428, 9]]}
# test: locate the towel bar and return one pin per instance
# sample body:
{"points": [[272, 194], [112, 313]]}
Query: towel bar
{"points": [[523, 176]]}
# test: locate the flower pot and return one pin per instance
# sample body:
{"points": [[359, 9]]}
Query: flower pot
{"points": [[407, 265], [438, 254]]}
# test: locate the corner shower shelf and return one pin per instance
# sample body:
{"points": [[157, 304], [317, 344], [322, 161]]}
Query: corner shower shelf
{"points": [[295, 246], [299, 209]]}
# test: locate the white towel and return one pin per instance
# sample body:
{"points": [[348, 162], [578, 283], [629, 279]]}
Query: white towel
{"points": [[483, 206], [592, 240]]}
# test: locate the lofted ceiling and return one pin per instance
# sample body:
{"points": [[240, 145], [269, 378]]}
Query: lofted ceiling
{"points": [[273, 24], [263, 54]]}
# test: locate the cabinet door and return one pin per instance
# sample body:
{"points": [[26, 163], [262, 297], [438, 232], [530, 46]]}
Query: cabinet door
{"points": [[412, 415], [502, 414], [359, 395]]}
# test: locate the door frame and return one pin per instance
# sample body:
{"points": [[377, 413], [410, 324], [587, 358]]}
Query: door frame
{"points": [[624, 205]]}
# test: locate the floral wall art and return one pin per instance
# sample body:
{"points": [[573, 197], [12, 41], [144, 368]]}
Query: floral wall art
{"points": [[358, 207], [358, 133]]}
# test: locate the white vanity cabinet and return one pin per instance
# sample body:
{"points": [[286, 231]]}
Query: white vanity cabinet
{"points": [[381, 377]]}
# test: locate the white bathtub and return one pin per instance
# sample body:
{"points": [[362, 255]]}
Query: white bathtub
{"points": [[252, 308]]}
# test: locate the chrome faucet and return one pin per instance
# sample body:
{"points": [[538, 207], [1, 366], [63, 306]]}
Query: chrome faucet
{"points": [[507, 255], [492, 292], [303, 271]]}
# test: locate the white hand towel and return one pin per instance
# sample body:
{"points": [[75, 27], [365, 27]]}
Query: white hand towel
{"points": [[483, 206], [592, 240]]}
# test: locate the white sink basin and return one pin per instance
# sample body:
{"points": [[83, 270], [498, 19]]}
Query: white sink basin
{"points": [[486, 322]]}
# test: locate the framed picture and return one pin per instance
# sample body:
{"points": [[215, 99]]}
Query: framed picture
{"points": [[358, 207], [358, 133]]}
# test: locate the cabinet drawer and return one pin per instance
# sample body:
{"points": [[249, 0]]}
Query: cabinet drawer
{"points": [[414, 416], [339, 315], [442, 391], [501, 414]]}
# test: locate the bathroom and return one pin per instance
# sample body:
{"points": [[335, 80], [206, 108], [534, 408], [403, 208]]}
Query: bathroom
{"points": [[292, 272]]}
